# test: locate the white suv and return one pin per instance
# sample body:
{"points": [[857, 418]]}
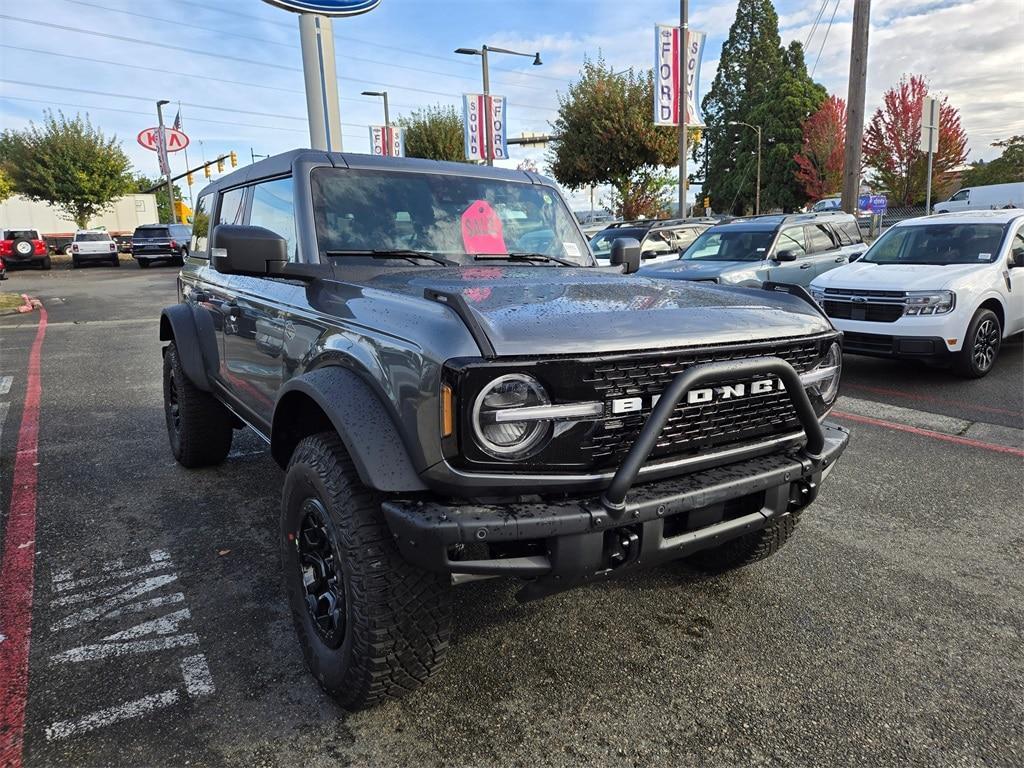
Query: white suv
{"points": [[93, 245], [939, 287]]}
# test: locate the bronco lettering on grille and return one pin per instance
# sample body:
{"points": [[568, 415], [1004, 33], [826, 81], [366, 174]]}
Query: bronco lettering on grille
{"points": [[703, 395]]}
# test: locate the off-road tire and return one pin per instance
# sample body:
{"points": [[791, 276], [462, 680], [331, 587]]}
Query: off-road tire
{"points": [[116, 261], [45, 263], [179, 261], [201, 434], [967, 362], [143, 263], [75, 263], [748, 548], [397, 618]]}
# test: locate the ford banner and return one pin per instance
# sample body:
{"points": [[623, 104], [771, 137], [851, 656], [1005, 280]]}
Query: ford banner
{"points": [[387, 141], [475, 128], [669, 82]]}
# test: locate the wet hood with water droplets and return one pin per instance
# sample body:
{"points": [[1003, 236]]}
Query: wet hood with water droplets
{"points": [[531, 310]]}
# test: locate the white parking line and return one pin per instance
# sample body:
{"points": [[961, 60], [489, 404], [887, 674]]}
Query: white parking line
{"points": [[196, 672], [98, 651], [5, 384], [130, 709]]}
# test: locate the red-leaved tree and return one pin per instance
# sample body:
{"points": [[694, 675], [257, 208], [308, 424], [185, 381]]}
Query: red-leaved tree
{"points": [[891, 139], [820, 160]]}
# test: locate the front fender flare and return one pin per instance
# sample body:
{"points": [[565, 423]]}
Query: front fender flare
{"points": [[360, 418], [195, 338]]}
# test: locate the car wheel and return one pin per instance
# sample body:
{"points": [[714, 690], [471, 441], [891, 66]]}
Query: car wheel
{"points": [[143, 263], [199, 427], [371, 626], [116, 261], [45, 263], [981, 345], [23, 248], [66, 250], [748, 548], [179, 261], [75, 263]]}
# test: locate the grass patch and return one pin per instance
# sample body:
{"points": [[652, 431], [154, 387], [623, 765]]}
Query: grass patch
{"points": [[11, 300]]}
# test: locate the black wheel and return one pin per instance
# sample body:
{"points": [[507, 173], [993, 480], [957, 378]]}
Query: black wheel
{"points": [[748, 548], [199, 427], [75, 263], [116, 261], [371, 626], [981, 345], [143, 263], [179, 260], [45, 263]]}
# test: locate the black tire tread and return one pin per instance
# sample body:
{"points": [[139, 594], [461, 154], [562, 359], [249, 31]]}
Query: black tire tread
{"points": [[749, 548], [206, 425], [963, 362], [400, 615]]}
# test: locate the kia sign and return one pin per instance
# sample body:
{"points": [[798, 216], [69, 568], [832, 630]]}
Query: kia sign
{"points": [[174, 139], [327, 7]]}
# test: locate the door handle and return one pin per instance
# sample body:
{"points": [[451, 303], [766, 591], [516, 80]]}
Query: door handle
{"points": [[805, 266], [840, 260]]}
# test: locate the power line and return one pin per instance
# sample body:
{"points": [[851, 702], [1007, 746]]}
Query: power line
{"points": [[825, 38], [240, 59], [814, 26]]}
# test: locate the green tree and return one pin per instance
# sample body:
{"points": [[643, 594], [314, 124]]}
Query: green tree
{"points": [[1006, 168], [792, 97], [6, 186], [606, 135], [68, 163], [748, 70], [434, 133], [142, 183]]}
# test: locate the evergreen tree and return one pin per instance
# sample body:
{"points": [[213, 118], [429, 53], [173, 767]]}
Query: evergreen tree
{"points": [[747, 69]]}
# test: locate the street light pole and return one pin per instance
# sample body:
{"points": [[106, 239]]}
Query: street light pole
{"points": [[684, 23], [164, 162], [384, 95], [488, 112], [757, 192]]}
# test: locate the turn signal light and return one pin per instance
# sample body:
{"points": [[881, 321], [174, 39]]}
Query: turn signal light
{"points": [[447, 412]]}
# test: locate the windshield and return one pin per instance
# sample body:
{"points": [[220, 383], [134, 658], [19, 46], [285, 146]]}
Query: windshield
{"points": [[20, 234], [91, 236], [601, 244], [455, 217], [730, 245], [940, 244]]}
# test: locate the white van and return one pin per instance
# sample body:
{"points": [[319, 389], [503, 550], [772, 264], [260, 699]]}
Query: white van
{"points": [[984, 198]]}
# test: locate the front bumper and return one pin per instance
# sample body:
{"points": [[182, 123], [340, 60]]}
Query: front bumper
{"points": [[95, 256], [905, 347], [573, 540], [936, 328]]}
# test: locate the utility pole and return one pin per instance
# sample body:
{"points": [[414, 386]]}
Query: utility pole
{"points": [[164, 162], [855, 105], [684, 24]]}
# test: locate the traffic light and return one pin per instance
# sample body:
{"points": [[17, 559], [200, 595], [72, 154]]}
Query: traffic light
{"points": [[234, 159], [206, 171], [220, 165], [697, 136], [707, 202], [189, 179]]}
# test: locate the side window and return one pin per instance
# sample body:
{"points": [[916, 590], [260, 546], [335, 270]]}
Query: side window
{"points": [[819, 239], [201, 226], [273, 208], [231, 206], [683, 237], [849, 233], [963, 194], [1017, 248], [792, 239], [657, 242]]}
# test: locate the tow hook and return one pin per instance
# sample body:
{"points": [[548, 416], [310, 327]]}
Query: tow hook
{"points": [[802, 493], [623, 547]]}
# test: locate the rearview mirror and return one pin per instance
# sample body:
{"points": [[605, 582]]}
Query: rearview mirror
{"points": [[786, 255], [242, 250], [626, 251]]}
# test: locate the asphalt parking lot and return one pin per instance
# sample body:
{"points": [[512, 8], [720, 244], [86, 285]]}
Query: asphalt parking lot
{"points": [[890, 631]]}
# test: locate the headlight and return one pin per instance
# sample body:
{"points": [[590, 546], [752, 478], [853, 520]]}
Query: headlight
{"points": [[496, 433], [930, 302], [818, 294], [823, 379]]}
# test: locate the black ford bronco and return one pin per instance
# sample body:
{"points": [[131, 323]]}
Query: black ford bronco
{"points": [[456, 391]]}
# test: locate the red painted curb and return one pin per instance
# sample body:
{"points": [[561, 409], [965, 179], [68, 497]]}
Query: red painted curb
{"points": [[929, 433], [17, 566]]}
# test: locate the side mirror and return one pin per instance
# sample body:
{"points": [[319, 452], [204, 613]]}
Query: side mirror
{"points": [[242, 250], [626, 251], [1017, 257], [786, 255]]}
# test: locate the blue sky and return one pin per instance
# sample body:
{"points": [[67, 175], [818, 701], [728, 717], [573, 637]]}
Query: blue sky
{"points": [[236, 67]]}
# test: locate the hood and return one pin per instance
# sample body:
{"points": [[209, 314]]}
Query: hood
{"points": [[696, 270], [554, 310], [893, 277]]}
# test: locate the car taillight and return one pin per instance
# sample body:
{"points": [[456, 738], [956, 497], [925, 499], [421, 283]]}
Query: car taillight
{"points": [[174, 244], [40, 246], [74, 247], [6, 247], [113, 246]]}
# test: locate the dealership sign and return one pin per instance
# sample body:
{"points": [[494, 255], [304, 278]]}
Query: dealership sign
{"points": [[174, 140], [387, 141], [474, 122], [676, 89], [327, 7]]}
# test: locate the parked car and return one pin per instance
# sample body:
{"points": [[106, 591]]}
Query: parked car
{"points": [[660, 239], [161, 242], [984, 198], [3, 269], [946, 288], [24, 246], [448, 407], [93, 245], [781, 248]]}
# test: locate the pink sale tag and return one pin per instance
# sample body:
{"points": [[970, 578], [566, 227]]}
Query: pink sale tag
{"points": [[481, 229]]}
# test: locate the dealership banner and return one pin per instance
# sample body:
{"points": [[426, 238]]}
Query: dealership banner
{"points": [[675, 89], [387, 141], [474, 115]]}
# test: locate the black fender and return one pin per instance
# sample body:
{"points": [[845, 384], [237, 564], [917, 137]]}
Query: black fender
{"points": [[195, 337], [357, 414]]}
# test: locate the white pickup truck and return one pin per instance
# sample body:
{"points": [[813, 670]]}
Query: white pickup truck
{"points": [[93, 245], [939, 288]]}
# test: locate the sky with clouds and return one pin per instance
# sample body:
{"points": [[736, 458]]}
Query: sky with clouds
{"points": [[235, 66]]}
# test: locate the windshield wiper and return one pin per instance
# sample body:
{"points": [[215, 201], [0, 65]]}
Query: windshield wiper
{"points": [[523, 257], [396, 253]]}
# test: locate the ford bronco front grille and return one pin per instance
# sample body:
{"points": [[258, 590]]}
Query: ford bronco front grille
{"points": [[692, 428]]}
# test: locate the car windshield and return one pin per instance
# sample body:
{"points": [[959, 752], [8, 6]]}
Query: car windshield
{"points": [[20, 234], [730, 245], [152, 232], [91, 236], [601, 244], [454, 217], [939, 243]]}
